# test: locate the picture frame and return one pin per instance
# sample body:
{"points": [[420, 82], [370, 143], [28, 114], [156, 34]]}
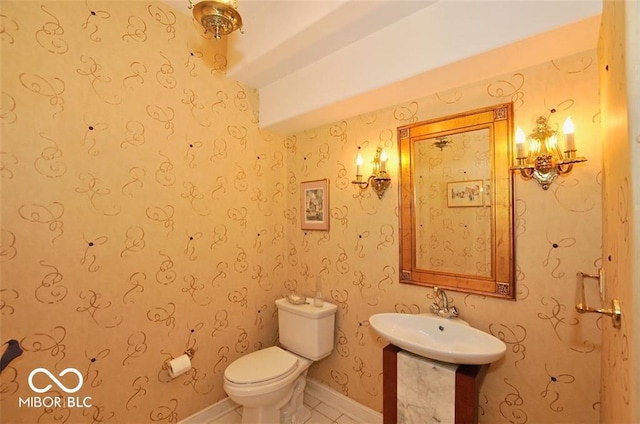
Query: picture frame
{"points": [[462, 194], [314, 205]]}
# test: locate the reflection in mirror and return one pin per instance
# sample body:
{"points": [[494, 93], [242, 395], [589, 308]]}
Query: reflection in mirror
{"points": [[453, 207], [456, 202]]}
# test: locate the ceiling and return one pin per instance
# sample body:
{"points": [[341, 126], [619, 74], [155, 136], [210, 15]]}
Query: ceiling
{"points": [[320, 61]]}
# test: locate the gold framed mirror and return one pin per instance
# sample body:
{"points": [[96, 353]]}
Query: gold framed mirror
{"points": [[456, 202]]}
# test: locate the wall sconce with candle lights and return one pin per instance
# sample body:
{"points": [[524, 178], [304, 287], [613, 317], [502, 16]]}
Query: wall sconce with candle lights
{"points": [[544, 160], [379, 179]]}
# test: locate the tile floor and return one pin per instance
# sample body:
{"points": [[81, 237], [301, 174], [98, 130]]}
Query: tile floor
{"points": [[321, 413]]}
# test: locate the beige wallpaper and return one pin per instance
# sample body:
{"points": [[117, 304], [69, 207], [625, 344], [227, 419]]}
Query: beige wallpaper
{"points": [[619, 58], [551, 369], [144, 212]]}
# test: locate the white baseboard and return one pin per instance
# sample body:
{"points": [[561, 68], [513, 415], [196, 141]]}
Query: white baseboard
{"points": [[211, 412], [325, 394], [349, 407]]}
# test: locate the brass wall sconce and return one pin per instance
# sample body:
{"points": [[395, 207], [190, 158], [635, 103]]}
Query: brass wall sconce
{"points": [[544, 160], [218, 17], [379, 179]]}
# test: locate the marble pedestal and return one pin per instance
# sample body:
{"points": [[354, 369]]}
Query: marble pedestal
{"points": [[420, 391]]}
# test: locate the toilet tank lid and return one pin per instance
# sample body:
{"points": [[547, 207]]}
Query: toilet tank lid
{"points": [[307, 309], [261, 365]]}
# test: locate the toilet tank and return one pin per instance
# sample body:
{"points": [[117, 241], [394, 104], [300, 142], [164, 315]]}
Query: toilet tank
{"points": [[305, 329]]}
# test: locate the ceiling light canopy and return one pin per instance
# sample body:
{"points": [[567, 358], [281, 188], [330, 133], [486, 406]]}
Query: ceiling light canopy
{"points": [[217, 17]]}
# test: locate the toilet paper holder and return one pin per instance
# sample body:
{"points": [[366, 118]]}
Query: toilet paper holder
{"points": [[189, 352]]}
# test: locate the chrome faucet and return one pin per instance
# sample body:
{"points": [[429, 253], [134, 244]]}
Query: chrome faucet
{"points": [[443, 309]]}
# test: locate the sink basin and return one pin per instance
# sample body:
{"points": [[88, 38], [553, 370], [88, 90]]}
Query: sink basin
{"points": [[433, 337]]}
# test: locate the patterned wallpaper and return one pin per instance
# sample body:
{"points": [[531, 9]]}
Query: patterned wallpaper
{"points": [[454, 236], [618, 56], [551, 369], [144, 212]]}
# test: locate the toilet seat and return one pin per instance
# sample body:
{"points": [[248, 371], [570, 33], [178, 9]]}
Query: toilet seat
{"points": [[251, 369]]}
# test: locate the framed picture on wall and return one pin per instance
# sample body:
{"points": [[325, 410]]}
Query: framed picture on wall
{"points": [[314, 205], [465, 193]]}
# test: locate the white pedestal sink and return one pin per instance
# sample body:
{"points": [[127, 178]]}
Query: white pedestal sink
{"points": [[441, 339]]}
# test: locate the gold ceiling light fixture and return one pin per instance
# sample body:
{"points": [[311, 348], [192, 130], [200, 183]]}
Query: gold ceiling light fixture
{"points": [[442, 142], [544, 160], [217, 17]]}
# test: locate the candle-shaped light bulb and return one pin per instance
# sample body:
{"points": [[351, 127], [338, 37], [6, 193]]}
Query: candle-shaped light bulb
{"points": [[358, 164], [520, 137], [568, 129], [383, 161]]}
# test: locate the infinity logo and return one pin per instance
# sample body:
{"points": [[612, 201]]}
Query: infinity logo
{"points": [[55, 380]]}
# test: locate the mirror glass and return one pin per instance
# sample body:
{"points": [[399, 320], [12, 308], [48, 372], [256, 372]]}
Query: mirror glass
{"points": [[456, 202], [452, 212]]}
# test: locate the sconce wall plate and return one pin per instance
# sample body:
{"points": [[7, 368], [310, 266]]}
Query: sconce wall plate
{"points": [[380, 185]]}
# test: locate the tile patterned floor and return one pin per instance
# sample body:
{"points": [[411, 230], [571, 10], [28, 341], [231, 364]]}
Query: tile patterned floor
{"points": [[321, 413]]}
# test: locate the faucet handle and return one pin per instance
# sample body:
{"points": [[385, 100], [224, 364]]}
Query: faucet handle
{"points": [[454, 312]]}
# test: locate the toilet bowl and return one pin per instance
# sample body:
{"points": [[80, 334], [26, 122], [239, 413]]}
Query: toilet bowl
{"points": [[269, 383], [266, 381]]}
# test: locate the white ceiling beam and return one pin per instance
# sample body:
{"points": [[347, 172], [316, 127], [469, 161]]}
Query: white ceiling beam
{"points": [[417, 56], [281, 37]]}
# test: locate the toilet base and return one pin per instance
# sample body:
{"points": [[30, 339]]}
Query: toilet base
{"points": [[291, 411], [294, 412]]}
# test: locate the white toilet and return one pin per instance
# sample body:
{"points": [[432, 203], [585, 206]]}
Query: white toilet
{"points": [[270, 382]]}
